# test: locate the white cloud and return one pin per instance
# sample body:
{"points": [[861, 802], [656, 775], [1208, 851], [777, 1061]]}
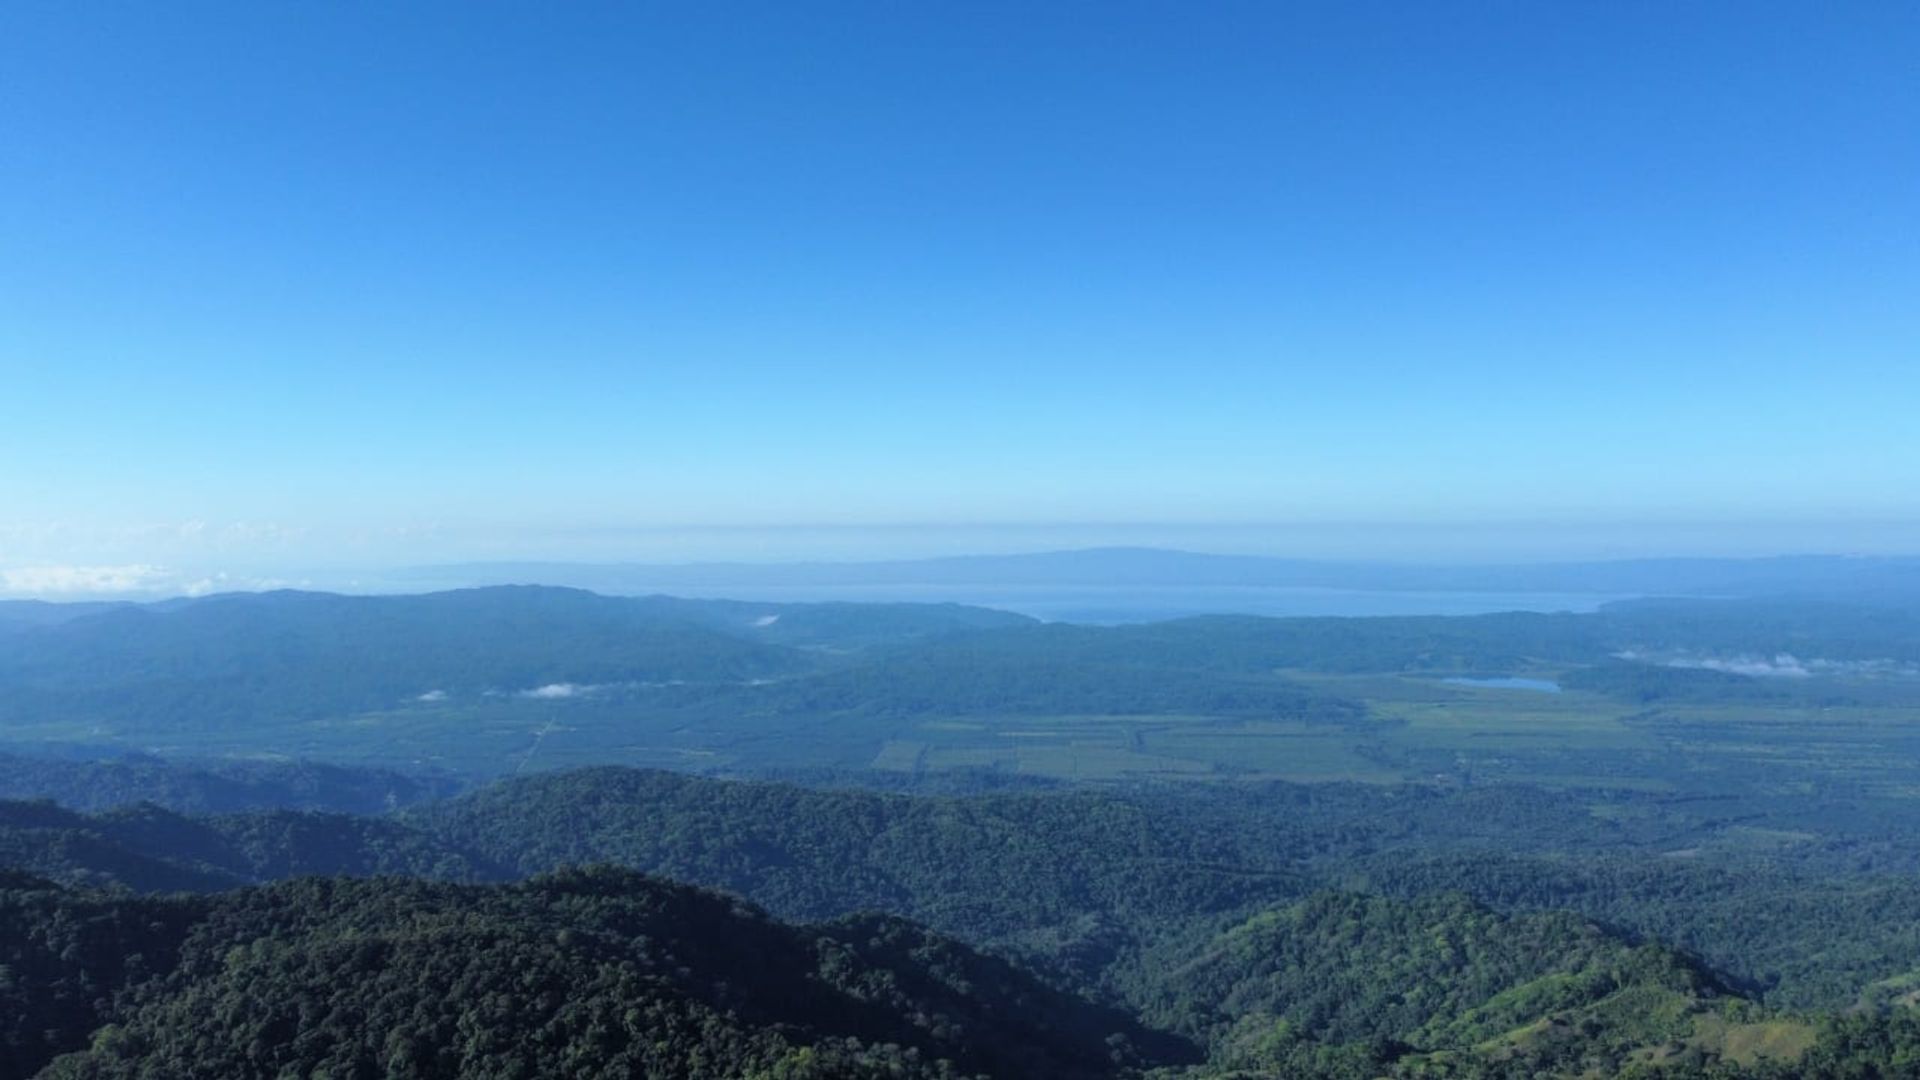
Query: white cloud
{"points": [[71, 581], [1778, 666], [766, 620], [1785, 665], [432, 696], [131, 581], [556, 691]]}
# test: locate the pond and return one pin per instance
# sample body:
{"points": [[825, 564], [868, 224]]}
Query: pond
{"points": [[1505, 682]]}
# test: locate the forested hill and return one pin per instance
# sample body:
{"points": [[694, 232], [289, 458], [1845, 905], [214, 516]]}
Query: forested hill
{"points": [[1081, 881], [601, 972], [1342, 981], [215, 787], [17, 615], [586, 973], [1073, 876], [1226, 919], [148, 849], [294, 655], [1077, 881]]}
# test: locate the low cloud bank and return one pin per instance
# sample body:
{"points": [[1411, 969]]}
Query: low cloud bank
{"points": [[1781, 666], [1778, 666], [128, 581], [69, 581], [558, 691]]}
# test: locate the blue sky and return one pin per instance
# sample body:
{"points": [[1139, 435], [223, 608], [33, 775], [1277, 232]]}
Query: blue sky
{"points": [[393, 283]]}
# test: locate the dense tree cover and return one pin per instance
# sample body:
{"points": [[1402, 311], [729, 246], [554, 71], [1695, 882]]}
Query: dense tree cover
{"points": [[214, 787], [1196, 907], [1794, 937], [149, 849], [603, 972], [1409, 979], [1072, 876], [1863, 1046], [1077, 880], [68, 959], [587, 973], [1080, 881], [1432, 967], [1853, 1046], [51, 842]]}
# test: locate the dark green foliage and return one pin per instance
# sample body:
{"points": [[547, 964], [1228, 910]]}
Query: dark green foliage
{"points": [[1080, 879], [67, 960], [1864, 1046], [1440, 973], [1182, 902], [214, 787], [1077, 880], [58, 844], [148, 849], [1797, 938], [588, 973], [1075, 876]]}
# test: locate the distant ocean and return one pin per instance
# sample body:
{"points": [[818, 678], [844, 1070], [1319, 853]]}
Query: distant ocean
{"points": [[1138, 603]]}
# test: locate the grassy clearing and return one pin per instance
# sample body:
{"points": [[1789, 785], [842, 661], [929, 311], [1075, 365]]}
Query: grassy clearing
{"points": [[1781, 1040]]}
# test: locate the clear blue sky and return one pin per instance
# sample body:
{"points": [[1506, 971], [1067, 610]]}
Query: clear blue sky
{"points": [[403, 281]]}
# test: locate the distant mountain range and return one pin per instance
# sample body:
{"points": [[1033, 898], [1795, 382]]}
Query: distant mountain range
{"points": [[474, 680], [1829, 576]]}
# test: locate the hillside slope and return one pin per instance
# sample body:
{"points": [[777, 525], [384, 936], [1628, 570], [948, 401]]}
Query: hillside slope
{"points": [[587, 973]]}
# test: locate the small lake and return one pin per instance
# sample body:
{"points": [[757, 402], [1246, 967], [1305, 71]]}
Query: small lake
{"points": [[1541, 686]]}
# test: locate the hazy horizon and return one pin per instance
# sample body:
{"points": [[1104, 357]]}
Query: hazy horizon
{"points": [[195, 565], [298, 291]]}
